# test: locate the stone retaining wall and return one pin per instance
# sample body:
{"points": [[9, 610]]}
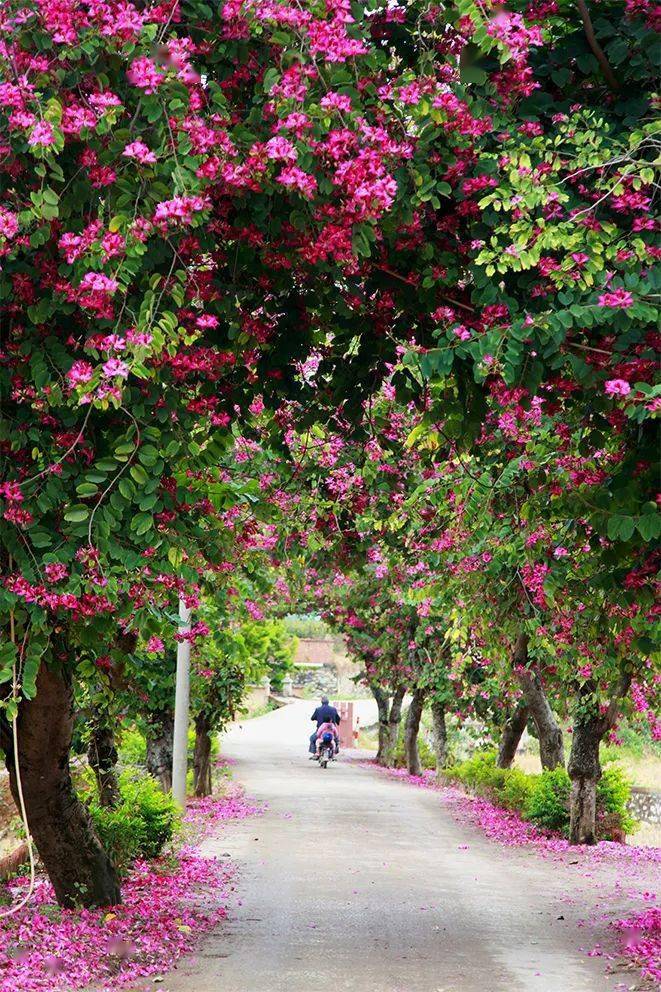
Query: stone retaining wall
{"points": [[645, 805]]}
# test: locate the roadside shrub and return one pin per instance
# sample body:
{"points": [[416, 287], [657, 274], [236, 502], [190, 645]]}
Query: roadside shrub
{"points": [[517, 789], [548, 802], [544, 799], [133, 749], [140, 826], [613, 795]]}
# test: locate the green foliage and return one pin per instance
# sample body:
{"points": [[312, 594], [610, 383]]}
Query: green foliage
{"points": [[613, 795], [544, 799], [133, 748], [548, 803], [140, 826]]}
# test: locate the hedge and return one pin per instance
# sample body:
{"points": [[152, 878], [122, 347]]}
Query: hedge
{"points": [[544, 799]]}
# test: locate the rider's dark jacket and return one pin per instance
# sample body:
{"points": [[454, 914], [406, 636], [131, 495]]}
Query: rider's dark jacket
{"points": [[326, 714]]}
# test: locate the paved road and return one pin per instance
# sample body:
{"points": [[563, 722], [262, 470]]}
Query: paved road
{"points": [[352, 881]]}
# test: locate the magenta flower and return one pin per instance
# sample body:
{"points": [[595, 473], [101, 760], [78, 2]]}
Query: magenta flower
{"points": [[42, 135], [144, 74], [114, 367], [79, 373], [617, 387], [139, 151], [617, 299]]}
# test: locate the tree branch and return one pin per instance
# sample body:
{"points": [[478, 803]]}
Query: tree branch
{"points": [[597, 50]]}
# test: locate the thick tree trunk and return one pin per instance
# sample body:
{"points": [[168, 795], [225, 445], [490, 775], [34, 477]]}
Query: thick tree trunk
{"points": [[202, 757], [584, 771], [392, 733], [383, 707], [551, 749], [160, 735], [512, 733], [411, 731], [79, 869], [102, 757], [440, 735]]}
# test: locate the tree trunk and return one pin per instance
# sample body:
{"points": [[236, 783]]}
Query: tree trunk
{"points": [[394, 720], [551, 749], [411, 731], [202, 756], [79, 869], [440, 735], [383, 706], [102, 757], [160, 736], [390, 715], [584, 771], [512, 733]]}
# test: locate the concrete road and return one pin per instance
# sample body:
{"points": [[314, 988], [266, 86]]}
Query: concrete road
{"points": [[354, 881]]}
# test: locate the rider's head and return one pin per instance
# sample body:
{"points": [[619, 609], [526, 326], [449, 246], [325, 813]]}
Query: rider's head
{"points": [[324, 700]]}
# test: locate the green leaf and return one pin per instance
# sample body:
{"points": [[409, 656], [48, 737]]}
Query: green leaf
{"points": [[76, 514]]}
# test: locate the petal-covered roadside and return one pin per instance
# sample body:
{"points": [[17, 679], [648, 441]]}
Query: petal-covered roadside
{"points": [[168, 904]]}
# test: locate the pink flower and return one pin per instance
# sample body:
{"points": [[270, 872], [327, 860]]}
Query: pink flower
{"points": [[42, 135], [294, 178], [617, 387], [8, 224], [79, 373], [155, 645], [55, 571], [618, 298], [98, 282], [144, 74], [336, 101], [461, 332], [281, 148], [180, 208], [139, 151], [114, 366]]}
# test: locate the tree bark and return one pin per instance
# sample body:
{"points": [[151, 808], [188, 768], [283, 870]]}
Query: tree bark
{"points": [[202, 756], [551, 749], [160, 735], [585, 771], [584, 767], [390, 715], [440, 735], [411, 731], [102, 757], [392, 733], [79, 869], [512, 733], [383, 707]]}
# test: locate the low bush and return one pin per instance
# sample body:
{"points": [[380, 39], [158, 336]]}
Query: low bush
{"points": [[548, 802], [544, 799], [133, 749], [140, 826]]}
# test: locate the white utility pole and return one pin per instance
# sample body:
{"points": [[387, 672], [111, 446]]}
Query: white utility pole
{"points": [[181, 708]]}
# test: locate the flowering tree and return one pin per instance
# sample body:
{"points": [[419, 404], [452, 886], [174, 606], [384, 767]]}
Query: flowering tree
{"points": [[213, 218]]}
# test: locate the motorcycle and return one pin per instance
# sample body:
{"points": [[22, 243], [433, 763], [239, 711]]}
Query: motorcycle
{"points": [[326, 751]]}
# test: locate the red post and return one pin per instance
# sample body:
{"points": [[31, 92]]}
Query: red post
{"points": [[347, 736]]}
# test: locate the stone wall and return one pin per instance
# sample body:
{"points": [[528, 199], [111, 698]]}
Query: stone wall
{"points": [[321, 678], [645, 805]]}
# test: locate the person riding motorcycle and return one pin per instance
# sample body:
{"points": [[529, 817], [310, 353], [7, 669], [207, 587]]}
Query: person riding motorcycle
{"points": [[325, 732], [323, 714]]}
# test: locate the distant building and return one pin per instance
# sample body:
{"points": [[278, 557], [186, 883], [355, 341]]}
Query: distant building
{"points": [[322, 663]]}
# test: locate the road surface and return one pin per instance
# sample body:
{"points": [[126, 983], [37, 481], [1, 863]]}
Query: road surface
{"points": [[354, 881]]}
